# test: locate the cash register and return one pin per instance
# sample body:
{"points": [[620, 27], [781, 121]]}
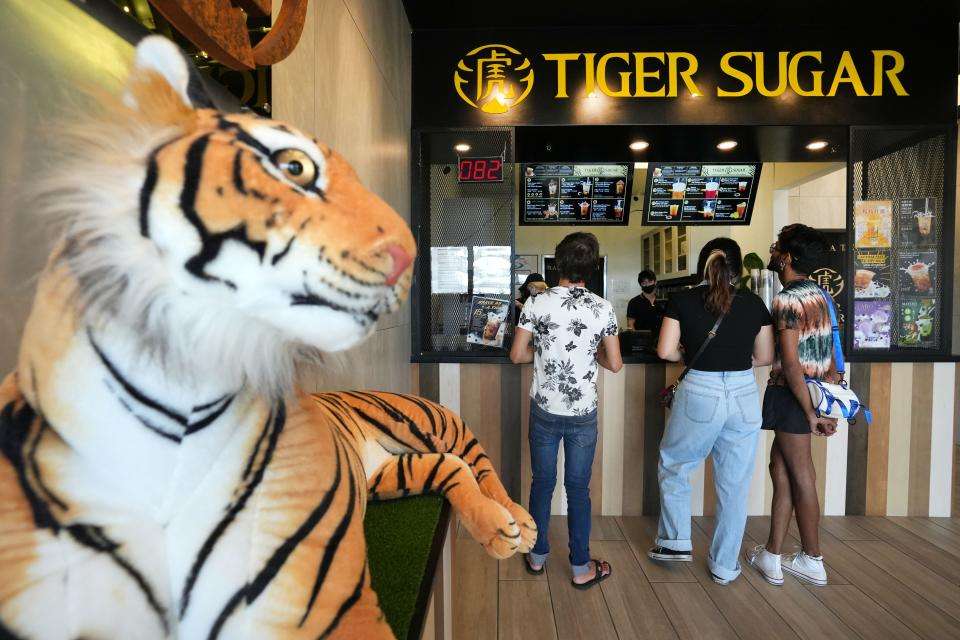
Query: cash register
{"points": [[634, 341]]}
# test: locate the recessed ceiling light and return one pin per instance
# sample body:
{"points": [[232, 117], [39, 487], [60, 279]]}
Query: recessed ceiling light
{"points": [[462, 148], [727, 145], [817, 145], [639, 145]]}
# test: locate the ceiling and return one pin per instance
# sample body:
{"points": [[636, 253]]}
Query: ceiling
{"points": [[450, 14]]}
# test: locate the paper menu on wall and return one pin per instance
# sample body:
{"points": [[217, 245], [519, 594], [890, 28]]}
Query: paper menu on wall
{"points": [[491, 269], [873, 223], [448, 270]]}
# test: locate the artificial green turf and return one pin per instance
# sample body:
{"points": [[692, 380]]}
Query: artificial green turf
{"points": [[399, 535]]}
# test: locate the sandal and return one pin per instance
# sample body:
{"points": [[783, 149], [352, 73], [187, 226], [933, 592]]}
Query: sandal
{"points": [[598, 578], [529, 568]]}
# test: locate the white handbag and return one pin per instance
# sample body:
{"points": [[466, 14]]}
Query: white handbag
{"points": [[835, 400]]}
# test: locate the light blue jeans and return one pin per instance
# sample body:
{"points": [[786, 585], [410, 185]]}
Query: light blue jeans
{"points": [[718, 413]]}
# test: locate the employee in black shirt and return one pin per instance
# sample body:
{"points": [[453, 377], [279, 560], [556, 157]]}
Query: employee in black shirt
{"points": [[642, 311], [716, 410]]}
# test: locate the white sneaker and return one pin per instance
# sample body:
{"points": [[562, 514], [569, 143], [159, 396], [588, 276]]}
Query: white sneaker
{"points": [[768, 564], [807, 568]]}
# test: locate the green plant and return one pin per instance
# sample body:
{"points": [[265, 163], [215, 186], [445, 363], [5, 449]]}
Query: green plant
{"points": [[750, 261]]}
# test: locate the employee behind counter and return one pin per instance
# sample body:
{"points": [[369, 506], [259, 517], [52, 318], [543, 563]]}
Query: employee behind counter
{"points": [[644, 315]]}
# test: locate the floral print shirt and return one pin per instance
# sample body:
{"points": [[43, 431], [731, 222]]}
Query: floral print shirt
{"points": [[568, 324]]}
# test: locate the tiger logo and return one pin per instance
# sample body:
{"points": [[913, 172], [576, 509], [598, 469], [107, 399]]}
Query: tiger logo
{"points": [[161, 474]]}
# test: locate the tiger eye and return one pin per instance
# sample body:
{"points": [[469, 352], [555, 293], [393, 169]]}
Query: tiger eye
{"points": [[296, 165]]}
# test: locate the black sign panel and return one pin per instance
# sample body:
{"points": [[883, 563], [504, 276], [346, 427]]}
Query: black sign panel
{"points": [[823, 75], [701, 193], [575, 194]]}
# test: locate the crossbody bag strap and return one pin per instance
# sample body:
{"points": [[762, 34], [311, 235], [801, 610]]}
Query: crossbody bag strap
{"points": [[710, 336], [837, 348]]}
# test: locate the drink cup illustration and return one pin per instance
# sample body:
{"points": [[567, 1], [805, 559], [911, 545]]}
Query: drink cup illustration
{"points": [[551, 210], [674, 209], [679, 188], [552, 187], [584, 208], [920, 274], [741, 209], [708, 207], [710, 189], [618, 209], [620, 184], [924, 224], [491, 328], [529, 172], [863, 278], [742, 186], [586, 187]]}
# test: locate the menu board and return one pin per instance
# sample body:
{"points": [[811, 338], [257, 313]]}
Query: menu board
{"points": [[701, 193], [896, 277], [576, 194]]}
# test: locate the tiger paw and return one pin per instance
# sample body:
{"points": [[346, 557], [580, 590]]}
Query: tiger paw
{"points": [[528, 528], [494, 527]]}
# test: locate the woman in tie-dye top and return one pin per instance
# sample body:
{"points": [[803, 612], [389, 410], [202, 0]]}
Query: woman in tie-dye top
{"points": [[804, 343]]}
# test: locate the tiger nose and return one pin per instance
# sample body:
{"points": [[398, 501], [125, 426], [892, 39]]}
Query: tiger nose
{"points": [[401, 260]]}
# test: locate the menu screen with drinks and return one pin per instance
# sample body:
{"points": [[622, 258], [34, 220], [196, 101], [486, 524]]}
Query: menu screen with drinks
{"points": [[896, 279], [704, 193], [576, 194]]}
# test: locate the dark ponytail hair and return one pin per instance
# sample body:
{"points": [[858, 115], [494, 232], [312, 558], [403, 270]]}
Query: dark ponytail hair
{"points": [[720, 264]]}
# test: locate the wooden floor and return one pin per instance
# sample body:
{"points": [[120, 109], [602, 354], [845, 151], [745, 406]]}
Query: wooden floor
{"points": [[889, 578]]}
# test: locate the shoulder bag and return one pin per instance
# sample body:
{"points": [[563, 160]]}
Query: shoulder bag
{"points": [[835, 400], [666, 396]]}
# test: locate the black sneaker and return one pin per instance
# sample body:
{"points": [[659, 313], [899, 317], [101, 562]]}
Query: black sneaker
{"points": [[669, 555]]}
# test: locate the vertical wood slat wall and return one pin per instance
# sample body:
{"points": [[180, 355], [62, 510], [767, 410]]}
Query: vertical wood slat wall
{"points": [[902, 464]]}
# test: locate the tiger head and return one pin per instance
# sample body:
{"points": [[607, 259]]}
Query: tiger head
{"points": [[220, 235]]}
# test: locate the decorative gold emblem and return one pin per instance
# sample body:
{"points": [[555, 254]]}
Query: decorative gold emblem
{"points": [[829, 280], [493, 78]]}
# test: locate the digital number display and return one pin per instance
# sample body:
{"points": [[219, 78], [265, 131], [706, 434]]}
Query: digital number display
{"points": [[480, 169]]}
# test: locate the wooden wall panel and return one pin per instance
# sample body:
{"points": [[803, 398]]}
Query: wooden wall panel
{"points": [[633, 438], [878, 442], [480, 406], [918, 496], [858, 445], [654, 419], [510, 433], [898, 458]]}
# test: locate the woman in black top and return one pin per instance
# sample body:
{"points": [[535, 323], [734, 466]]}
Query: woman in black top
{"points": [[716, 409]]}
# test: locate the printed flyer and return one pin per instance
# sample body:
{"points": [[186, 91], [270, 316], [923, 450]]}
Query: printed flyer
{"points": [[871, 327], [871, 276], [873, 223], [918, 222], [917, 323], [918, 274], [487, 323]]}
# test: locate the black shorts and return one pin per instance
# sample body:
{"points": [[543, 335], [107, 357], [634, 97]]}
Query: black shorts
{"points": [[782, 411]]}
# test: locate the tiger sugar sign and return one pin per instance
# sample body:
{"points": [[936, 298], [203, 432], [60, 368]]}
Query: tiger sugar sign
{"points": [[220, 28]]}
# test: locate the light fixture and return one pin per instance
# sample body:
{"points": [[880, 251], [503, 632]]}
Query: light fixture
{"points": [[726, 145], [592, 94], [639, 145], [462, 148], [126, 9], [817, 145]]}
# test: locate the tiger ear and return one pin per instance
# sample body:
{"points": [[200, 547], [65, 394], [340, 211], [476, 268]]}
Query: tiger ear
{"points": [[163, 84]]}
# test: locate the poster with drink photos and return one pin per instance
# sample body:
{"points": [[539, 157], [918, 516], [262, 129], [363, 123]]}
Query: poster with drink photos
{"points": [[918, 222], [871, 275], [873, 224], [918, 273], [487, 323], [871, 324], [705, 193], [574, 194], [918, 323]]}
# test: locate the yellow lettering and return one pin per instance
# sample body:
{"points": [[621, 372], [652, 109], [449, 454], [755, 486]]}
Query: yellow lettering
{"points": [[561, 59], [642, 75], [817, 90], [588, 66], [624, 90], [878, 72], [847, 72], [781, 74], [735, 73], [686, 75]]}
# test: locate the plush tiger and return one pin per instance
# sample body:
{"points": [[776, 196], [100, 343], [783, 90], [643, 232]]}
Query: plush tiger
{"points": [[161, 475]]}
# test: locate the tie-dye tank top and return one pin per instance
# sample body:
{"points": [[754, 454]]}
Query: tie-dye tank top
{"points": [[802, 306]]}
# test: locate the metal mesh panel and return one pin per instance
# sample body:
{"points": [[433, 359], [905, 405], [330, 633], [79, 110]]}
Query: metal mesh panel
{"points": [[901, 164], [463, 215]]}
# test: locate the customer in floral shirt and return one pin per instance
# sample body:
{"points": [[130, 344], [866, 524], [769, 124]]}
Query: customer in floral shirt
{"points": [[566, 332]]}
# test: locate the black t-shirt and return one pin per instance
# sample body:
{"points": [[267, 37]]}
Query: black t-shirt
{"points": [[648, 316], [732, 348]]}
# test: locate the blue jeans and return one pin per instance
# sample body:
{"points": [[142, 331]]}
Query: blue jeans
{"points": [[579, 436], [718, 413]]}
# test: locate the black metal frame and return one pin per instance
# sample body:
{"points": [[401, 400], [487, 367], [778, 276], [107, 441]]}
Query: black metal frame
{"points": [[903, 354], [415, 631]]}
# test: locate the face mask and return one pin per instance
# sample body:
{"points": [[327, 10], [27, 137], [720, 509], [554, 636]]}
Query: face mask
{"points": [[650, 288]]}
